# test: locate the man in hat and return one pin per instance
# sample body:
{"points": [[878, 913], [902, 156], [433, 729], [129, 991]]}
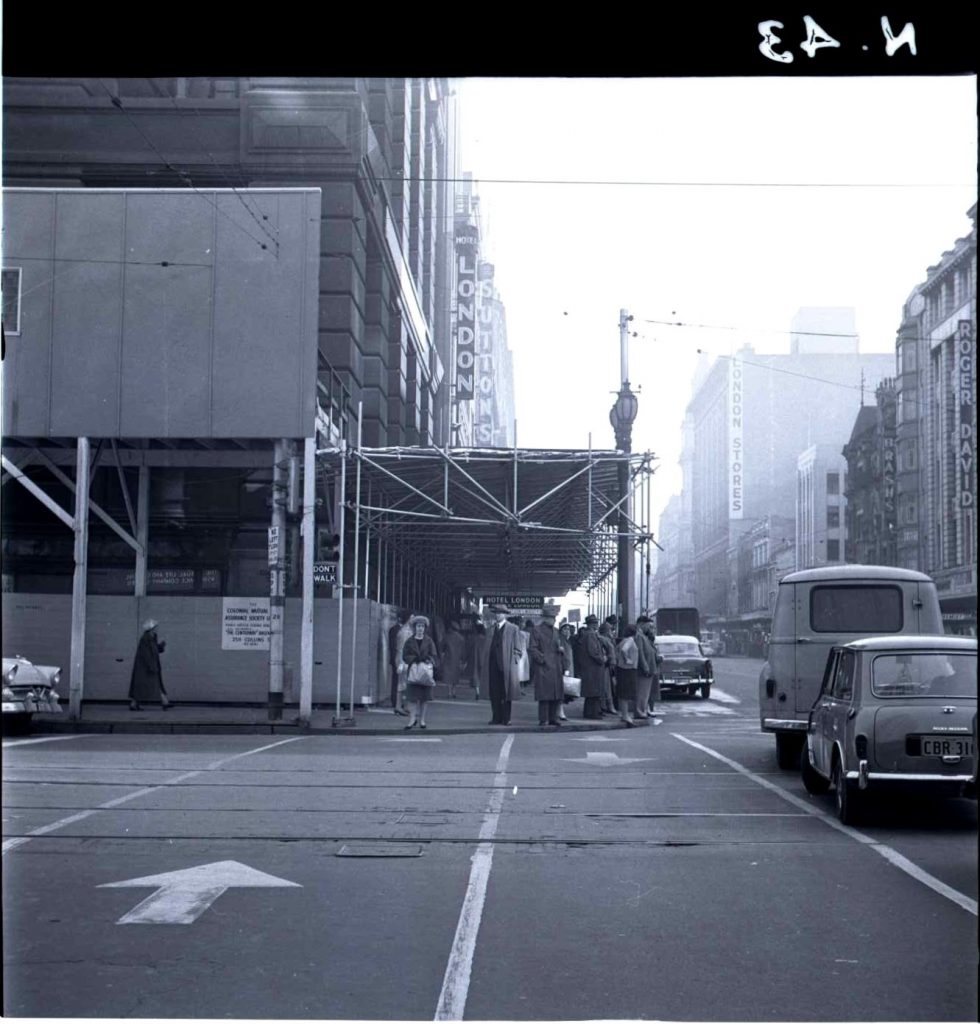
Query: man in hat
{"points": [[646, 667], [506, 648], [649, 631], [593, 668], [146, 681], [607, 637], [547, 657]]}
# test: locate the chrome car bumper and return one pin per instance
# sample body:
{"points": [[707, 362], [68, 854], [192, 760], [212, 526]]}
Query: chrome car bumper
{"points": [[30, 707], [795, 724], [864, 776]]}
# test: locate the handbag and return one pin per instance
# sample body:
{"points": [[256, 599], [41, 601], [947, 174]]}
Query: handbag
{"points": [[420, 673], [524, 668], [573, 686]]}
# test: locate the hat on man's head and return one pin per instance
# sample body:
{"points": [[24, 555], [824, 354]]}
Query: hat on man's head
{"points": [[551, 610], [642, 619], [150, 624], [500, 608], [591, 620], [611, 619]]}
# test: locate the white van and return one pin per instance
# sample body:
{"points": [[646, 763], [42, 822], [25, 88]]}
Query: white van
{"points": [[817, 609]]}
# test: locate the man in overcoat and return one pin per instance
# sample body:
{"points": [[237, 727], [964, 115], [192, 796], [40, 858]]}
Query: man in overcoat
{"points": [[547, 658], [146, 681], [646, 667], [607, 637], [593, 669], [394, 658], [506, 647]]}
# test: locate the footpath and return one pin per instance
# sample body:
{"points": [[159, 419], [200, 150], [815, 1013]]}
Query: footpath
{"points": [[443, 716]]}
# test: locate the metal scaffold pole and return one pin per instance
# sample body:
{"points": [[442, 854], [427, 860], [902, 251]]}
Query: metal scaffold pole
{"points": [[342, 497], [357, 564]]}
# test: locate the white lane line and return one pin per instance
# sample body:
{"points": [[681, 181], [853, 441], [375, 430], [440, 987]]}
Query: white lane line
{"points": [[49, 739], [892, 856], [456, 981], [721, 695], [405, 739], [12, 844]]}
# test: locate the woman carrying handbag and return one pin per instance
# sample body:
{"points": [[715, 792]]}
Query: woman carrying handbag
{"points": [[420, 658]]}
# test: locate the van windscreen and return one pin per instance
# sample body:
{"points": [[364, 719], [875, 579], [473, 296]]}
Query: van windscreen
{"points": [[856, 609]]}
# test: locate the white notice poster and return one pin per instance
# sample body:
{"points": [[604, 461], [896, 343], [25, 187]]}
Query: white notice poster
{"points": [[245, 624]]}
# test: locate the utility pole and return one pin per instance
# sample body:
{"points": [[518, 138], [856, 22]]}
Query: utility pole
{"points": [[621, 416]]}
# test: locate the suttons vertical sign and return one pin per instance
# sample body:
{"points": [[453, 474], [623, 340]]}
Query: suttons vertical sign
{"points": [[736, 475], [483, 421], [467, 245]]}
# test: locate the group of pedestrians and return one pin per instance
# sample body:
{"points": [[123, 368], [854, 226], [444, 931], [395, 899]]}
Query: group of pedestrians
{"points": [[510, 657]]}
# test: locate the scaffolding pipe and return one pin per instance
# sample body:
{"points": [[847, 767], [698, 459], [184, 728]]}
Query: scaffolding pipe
{"points": [[340, 569], [357, 561], [308, 531]]}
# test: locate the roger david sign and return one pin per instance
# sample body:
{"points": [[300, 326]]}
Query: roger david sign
{"points": [[735, 471], [965, 377], [467, 243]]}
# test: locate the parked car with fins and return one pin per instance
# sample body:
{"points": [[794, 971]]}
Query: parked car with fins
{"points": [[28, 688], [893, 713], [685, 667]]}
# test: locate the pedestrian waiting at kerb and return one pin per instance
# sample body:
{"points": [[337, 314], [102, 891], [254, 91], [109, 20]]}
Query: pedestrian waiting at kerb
{"points": [[503, 657]]}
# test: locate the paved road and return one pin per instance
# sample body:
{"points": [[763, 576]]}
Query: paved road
{"points": [[669, 872]]}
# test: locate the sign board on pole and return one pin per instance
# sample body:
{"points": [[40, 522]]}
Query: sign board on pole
{"points": [[273, 545], [574, 614], [245, 624], [516, 602], [324, 572]]}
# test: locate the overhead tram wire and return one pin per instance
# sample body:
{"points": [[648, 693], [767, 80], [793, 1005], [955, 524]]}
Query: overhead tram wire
{"points": [[477, 181], [180, 110], [182, 175]]}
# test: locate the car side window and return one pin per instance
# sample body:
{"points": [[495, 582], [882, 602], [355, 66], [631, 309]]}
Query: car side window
{"points": [[844, 677], [829, 671]]}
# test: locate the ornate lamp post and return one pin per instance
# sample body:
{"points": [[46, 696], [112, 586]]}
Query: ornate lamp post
{"points": [[622, 416]]}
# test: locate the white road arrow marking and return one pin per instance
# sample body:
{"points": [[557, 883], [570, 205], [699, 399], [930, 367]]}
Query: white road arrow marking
{"points": [[605, 759], [599, 739], [182, 896], [725, 698]]}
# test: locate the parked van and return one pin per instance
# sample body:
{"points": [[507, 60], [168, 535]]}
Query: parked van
{"points": [[817, 609]]}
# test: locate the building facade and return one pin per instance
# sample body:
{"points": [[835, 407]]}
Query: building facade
{"points": [[870, 489], [821, 523], [752, 414], [936, 429]]}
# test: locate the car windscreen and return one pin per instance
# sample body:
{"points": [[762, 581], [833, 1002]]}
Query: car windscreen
{"points": [[856, 609], [676, 649], [924, 674]]}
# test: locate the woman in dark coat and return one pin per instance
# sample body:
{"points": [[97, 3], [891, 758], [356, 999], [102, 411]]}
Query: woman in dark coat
{"points": [[419, 649], [592, 668], [146, 682], [547, 666]]}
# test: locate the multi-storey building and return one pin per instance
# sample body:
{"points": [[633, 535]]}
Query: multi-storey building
{"points": [[820, 506], [674, 578], [870, 487], [752, 415], [936, 429]]}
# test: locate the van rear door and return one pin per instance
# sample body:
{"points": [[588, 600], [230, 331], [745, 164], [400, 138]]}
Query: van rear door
{"points": [[835, 613]]}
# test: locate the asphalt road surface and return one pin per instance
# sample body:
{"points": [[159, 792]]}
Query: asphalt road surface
{"points": [[670, 872]]}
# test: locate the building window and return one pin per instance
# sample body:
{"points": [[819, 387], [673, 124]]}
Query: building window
{"points": [[833, 550], [910, 513], [833, 517], [11, 300], [833, 483]]}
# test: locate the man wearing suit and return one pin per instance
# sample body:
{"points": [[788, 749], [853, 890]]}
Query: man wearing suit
{"points": [[504, 664]]}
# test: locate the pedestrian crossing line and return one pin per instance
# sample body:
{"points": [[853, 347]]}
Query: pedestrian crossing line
{"points": [[891, 855], [48, 739]]}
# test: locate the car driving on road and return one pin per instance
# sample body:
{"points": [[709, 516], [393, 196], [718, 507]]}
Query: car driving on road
{"points": [[893, 712], [685, 666]]}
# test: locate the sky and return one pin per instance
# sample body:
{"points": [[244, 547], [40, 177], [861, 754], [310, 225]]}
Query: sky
{"points": [[756, 197]]}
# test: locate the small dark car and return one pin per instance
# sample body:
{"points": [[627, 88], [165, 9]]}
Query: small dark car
{"points": [[893, 712], [685, 667]]}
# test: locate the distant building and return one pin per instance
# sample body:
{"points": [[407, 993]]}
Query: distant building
{"points": [[937, 432], [752, 415], [820, 506], [870, 489], [674, 580]]}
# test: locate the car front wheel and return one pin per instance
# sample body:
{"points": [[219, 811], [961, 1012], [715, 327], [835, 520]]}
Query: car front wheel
{"points": [[848, 801]]}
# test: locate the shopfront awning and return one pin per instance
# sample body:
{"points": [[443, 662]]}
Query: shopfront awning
{"points": [[492, 519]]}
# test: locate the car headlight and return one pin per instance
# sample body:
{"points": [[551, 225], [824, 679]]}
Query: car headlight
{"points": [[9, 673], [56, 678]]}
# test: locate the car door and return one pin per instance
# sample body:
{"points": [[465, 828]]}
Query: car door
{"points": [[816, 729], [838, 703]]}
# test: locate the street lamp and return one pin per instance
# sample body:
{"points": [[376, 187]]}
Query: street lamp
{"points": [[622, 416]]}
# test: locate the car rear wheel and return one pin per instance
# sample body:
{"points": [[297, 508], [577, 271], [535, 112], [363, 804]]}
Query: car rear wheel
{"points": [[705, 691], [789, 745], [846, 795], [813, 781]]}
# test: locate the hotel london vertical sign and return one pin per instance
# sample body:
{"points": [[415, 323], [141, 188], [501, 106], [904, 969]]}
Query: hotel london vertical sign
{"points": [[467, 243]]}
